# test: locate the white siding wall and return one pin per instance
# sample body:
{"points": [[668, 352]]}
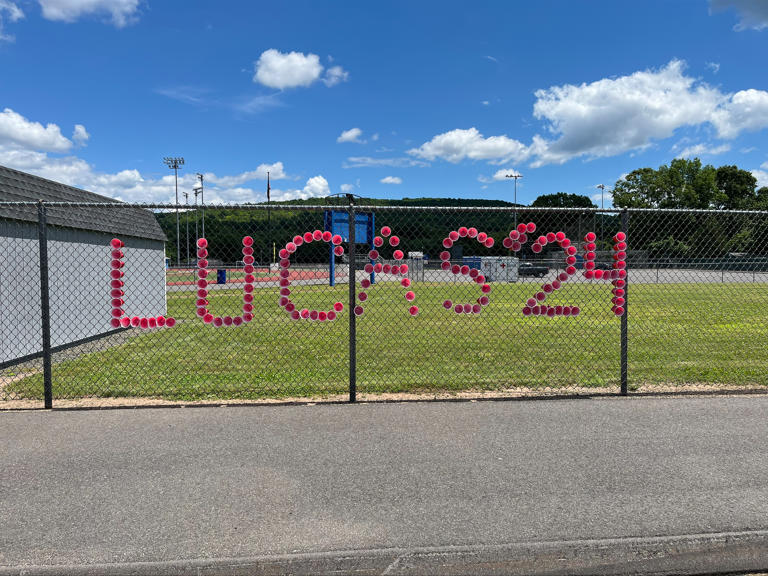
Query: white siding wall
{"points": [[79, 285]]}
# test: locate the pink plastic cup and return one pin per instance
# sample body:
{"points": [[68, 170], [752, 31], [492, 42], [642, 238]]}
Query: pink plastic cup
{"points": [[386, 231], [463, 231], [410, 296], [413, 310], [378, 241]]}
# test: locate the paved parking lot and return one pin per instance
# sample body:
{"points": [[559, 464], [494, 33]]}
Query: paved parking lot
{"points": [[487, 486]]}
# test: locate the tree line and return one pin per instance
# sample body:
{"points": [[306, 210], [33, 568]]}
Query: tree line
{"points": [[683, 184]]}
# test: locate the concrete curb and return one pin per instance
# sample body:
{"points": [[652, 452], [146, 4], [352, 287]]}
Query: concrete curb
{"points": [[688, 554]]}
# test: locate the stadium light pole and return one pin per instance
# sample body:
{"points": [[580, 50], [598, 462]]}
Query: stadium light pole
{"points": [[186, 218], [602, 207], [516, 176], [198, 189], [174, 163]]}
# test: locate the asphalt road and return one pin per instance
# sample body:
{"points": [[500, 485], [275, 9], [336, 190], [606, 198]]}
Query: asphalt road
{"points": [[663, 485]]}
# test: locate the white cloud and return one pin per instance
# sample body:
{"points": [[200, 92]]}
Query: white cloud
{"points": [[16, 129], [11, 11], [761, 175], [351, 135], [703, 150], [753, 14], [122, 12], [612, 116], [743, 111], [391, 180], [347, 188], [368, 162], [131, 186], [714, 66], [276, 172], [375, 137], [504, 172], [80, 135], [278, 70], [316, 187], [335, 75], [457, 145]]}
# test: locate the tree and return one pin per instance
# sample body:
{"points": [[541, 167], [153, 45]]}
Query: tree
{"points": [[563, 200], [736, 188], [683, 184]]}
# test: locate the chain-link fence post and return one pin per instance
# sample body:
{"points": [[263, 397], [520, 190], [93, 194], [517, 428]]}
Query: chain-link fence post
{"points": [[352, 302], [45, 303], [624, 318]]}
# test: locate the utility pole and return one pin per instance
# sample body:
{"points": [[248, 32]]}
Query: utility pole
{"points": [[269, 221], [516, 176], [186, 218], [198, 189], [602, 207], [174, 163]]}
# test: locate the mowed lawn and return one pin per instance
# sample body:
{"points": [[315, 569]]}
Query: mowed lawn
{"points": [[678, 334]]}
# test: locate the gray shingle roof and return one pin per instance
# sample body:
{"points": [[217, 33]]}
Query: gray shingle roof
{"points": [[18, 186]]}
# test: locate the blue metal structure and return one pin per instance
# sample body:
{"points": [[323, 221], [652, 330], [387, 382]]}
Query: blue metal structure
{"points": [[337, 222]]}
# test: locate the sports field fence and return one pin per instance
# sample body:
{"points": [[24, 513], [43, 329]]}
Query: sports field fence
{"points": [[243, 302]]}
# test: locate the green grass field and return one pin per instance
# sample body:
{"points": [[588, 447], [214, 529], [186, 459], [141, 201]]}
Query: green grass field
{"points": [[678, 335]]}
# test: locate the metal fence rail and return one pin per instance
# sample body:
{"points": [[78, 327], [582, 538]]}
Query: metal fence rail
{"points": [[288, 301]]}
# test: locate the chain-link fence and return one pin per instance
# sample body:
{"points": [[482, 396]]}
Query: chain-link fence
{"points": [[255, 301]]}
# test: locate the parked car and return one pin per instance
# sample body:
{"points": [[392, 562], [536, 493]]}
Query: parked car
{"points": [[529, 269]]}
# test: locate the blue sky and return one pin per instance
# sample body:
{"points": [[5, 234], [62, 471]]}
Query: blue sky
{"points": [[387, 99]]}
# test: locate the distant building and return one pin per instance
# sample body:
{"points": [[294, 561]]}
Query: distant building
{"points": [[78, 260]]}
